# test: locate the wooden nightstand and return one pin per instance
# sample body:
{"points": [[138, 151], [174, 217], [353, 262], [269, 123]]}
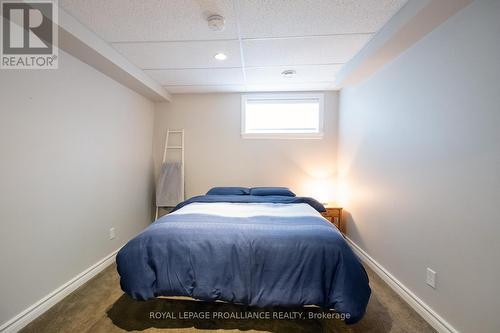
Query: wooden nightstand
{"points": [[334, 215]]}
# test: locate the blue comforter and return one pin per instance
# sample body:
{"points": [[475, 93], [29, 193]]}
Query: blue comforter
{"points": [[259, 261]]}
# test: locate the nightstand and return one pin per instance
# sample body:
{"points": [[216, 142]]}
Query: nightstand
{"points": [[334, 215]]}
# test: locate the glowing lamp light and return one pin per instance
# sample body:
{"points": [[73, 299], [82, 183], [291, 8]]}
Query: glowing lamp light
{"points": [[343, 193], [322, 190]]}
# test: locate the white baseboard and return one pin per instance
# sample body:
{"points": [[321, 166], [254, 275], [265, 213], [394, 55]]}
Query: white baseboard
{"points": [[34, 311], [429, 315]]}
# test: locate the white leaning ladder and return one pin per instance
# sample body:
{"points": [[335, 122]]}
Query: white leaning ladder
{"points": [[165, 149]]}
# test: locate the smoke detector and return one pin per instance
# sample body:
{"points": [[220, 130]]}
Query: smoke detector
{"points": [[216, 22], [289, 73]]}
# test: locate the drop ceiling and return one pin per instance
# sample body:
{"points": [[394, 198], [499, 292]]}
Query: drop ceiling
{"points": [[171, 41]]}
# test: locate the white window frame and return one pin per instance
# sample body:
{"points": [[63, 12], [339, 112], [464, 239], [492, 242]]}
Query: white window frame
{"points": [[282, 96]]}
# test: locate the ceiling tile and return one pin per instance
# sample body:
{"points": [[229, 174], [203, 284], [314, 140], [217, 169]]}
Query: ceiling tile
{"points": [[205, 89], [310, 73], [153, 20], [264, 18], [181, 54], [305, 50], [211, 76]]}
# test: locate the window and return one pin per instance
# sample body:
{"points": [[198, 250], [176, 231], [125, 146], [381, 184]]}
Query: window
{"points": [[292, 115]]}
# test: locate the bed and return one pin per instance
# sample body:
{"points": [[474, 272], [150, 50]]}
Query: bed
{"points": [[257, 250]]}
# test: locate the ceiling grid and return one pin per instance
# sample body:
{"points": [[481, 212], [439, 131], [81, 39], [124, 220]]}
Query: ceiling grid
{"points": [[171, 42]]}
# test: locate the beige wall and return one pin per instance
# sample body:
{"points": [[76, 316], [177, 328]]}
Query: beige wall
{"points": [[75, 160], [420, 167], [216, 155]]}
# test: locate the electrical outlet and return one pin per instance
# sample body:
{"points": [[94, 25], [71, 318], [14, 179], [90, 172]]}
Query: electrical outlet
{"points": [[431, 278], [112, 233]]}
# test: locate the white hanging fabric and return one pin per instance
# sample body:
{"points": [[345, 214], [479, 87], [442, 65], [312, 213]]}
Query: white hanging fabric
{"points": [[169, 187]]}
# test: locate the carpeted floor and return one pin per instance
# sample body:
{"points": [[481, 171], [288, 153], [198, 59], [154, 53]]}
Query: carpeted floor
{"points": [[101, 306]]}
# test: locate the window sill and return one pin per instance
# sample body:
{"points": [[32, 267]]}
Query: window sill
{"points": [[283, 136]]}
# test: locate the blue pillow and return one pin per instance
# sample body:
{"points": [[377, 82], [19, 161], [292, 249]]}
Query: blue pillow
{"points": [[229, 191], [283, 191]]}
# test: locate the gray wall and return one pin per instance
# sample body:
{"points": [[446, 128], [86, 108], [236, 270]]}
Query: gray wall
{"points": [[216, 155], [420, 166], [75, 159]]}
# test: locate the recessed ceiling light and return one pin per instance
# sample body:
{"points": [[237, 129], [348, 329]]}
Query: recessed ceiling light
{"points": [[289, 73], [220, 56]]}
